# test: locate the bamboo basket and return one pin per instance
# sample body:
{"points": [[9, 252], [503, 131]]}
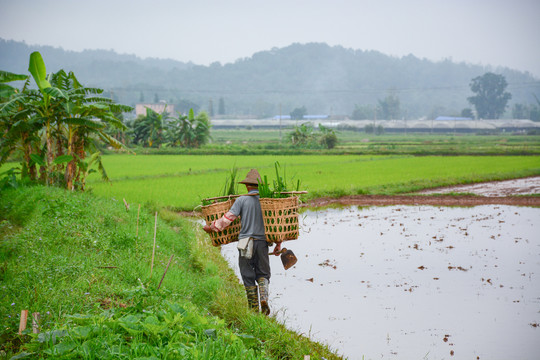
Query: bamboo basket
{"points": [[280, 218], [215, 211]]}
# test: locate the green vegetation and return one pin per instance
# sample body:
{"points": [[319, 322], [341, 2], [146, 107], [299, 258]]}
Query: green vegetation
{"points": [[280, 185], [490, 99], [157, 130], [75, 258], [305, 136], [180, 182], [53, 130], [267, 142]]}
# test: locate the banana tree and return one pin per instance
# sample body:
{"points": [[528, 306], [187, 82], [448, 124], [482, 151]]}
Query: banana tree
{"points": [[84, 120], [57, 124], [18, 127], [45, 108], [149, 130], [190, 130]]}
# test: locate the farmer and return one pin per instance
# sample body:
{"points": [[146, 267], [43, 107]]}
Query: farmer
{"points": [[253, 257]]}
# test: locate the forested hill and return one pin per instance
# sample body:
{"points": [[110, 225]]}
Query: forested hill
{"points": [[324, 79]]}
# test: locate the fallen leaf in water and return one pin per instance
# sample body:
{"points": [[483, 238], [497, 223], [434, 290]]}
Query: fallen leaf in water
{"points": [[451, 352], [422, 267], [310, 279], [435, 278], [534, 324]]}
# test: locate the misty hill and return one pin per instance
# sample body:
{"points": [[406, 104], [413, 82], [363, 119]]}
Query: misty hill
{"points": [[324, 79]]}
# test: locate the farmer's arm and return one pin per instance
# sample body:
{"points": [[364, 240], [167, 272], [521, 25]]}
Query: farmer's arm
{"points": [[221, 223]]}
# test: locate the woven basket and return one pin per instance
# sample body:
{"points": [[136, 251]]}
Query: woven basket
{"points": [[216, 211], [280, 218]]}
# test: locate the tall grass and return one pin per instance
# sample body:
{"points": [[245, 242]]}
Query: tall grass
{"points": [[75, 259]]}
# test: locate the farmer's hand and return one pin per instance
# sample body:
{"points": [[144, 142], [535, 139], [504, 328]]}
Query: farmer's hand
{"points": [[207, 228], [277, 249]]}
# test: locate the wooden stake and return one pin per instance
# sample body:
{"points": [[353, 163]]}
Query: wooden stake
{"points": [[154, 249], [165, 273], [22, 323], [137, 232], [35, 322]]}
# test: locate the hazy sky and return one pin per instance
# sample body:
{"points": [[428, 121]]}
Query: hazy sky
{"points": [[487, 32]]}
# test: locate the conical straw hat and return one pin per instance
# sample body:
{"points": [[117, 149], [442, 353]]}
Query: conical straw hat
{"points": [[252, 178]]}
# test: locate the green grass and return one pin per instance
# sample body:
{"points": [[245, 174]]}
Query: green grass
{"points": [[354, 142], [54, 252], [181, 181]]}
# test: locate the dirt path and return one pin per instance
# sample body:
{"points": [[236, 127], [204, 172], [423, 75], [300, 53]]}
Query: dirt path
{"points": [[439, 200], [524, 186], [518, 192]]}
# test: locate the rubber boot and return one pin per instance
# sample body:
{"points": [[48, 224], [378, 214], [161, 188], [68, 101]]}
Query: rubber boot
{"points": [[263, 294], [252, 297]]}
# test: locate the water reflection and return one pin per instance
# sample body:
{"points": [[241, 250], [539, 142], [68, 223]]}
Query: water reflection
{"points": [[414, 282]]}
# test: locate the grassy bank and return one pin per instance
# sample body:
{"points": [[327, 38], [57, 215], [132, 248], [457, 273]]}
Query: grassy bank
{"points": [[180, 181], [75, 258]]}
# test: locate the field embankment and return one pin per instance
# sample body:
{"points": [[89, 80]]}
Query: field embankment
{"points": [[75, 258]]}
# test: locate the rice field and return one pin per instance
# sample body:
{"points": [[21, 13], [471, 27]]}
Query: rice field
{"points": [[182, 181]]}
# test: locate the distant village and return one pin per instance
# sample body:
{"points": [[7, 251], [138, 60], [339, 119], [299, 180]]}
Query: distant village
{"points": [[441, 124]]}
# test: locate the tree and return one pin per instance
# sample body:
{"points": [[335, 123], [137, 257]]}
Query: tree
{"points": [[520, 111], [389, 108], [363, 112], [328, 137], [467, 113], [305, 136], [190, 130], [149, 130], [56, 125], [301, 135], [221, 106], [298, 113], [211, 107], [491, 99]]}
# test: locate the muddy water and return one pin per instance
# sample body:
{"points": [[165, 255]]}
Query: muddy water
{"points": [[414, 282]]}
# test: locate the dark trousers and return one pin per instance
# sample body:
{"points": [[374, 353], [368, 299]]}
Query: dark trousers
{"points": [[258, 266]]}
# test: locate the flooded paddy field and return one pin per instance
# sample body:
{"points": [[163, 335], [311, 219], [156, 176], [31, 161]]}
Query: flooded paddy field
{"points": [[414, 282]]}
